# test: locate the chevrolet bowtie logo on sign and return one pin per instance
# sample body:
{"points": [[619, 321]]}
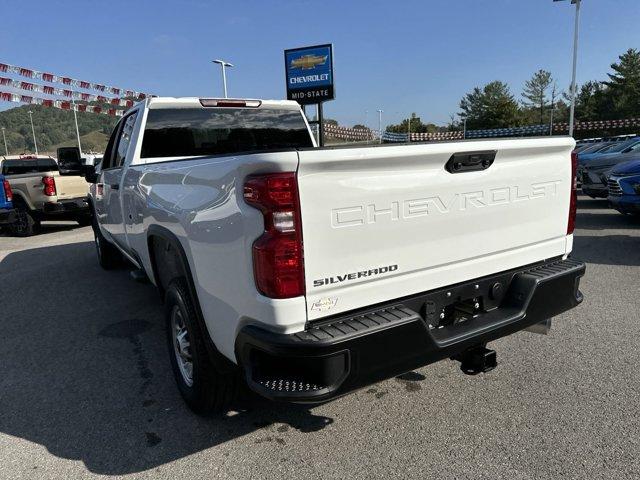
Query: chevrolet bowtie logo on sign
{"points": [[309, 73], [309, 61]]}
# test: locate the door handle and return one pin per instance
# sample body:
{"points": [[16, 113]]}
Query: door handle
{"points": [[470, 161]]}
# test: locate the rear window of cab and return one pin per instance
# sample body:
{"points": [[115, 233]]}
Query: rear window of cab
{"points": [[25, 166], [217, 131]]}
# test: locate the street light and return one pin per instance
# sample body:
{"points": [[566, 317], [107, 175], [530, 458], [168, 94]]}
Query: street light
{"points": [[380, 125], [35, 144], [75, 118], [575, 64], [224, 64], [5, 142]]}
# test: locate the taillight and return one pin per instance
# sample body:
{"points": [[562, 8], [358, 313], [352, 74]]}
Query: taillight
{"points": [[49, 186], [8, 193], [573, 202], [277, 255]]}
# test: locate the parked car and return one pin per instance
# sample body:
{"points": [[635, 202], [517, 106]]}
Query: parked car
{"points": [[41, 192], [311, 272], [7, 212], [624, 187], [611, 149], [595, 173]]}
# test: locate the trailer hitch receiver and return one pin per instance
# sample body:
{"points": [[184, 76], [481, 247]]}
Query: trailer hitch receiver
{"points": [[477, 360]]}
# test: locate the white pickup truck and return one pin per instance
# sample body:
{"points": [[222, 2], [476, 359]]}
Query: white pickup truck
{"points": [[311, 272]]}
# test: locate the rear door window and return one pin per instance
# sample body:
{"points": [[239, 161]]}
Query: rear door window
{"points": [[124, 140], [218, 131]]}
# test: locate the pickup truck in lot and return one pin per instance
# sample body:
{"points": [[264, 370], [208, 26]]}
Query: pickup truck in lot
{"points": [[41, 192], [311, 272]]}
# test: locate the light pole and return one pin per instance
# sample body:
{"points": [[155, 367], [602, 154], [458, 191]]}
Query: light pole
{"points": [[75, 118], [224, 65], [553, 107], [35, 144], [380, 125], [6, 149], [575, 64]]}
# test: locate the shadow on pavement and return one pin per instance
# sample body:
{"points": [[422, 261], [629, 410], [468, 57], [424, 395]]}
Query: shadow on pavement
{"points": [[617, 249], [46, 228], [86, 374]]}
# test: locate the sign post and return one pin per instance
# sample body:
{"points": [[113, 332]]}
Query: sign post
{"points": [[309, 75]]}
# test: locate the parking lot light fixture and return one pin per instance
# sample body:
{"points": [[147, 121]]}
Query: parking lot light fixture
{"points": [[224, 64], [575, 64]]}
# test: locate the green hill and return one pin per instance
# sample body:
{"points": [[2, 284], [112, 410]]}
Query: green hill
{"points": [[54, 128]]}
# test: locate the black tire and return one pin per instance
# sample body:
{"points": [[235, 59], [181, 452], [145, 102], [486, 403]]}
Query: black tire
{"points": [[25, 224], [212, 389], [108, 256]]}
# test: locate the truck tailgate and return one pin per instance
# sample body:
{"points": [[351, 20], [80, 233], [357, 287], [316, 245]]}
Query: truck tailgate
{"points": [[384, 222], [71, 186]]}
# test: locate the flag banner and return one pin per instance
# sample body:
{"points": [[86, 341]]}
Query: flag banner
{"points": [[598, 125], [346, 133], [428, 137], [61, 104], [62, 92], [392, 137], [51, 78]]}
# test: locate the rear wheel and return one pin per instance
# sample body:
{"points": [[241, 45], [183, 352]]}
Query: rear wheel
{"points": [[204, 387], [25, 224]]}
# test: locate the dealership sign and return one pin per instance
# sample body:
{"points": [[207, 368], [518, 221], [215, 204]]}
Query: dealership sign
{"points": [[309, 72]]}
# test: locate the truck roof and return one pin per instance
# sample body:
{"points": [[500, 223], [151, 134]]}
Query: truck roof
{"points": [[194, 102], [26, 156]]}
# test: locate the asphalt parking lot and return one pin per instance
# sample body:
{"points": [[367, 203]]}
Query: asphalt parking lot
{"points": [[86, 388]]}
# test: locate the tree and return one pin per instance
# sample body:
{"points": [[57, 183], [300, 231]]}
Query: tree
{"points": [[492, 106], [535, 92], [591, 101], [414, 125], [359, 126], [624, 84]]}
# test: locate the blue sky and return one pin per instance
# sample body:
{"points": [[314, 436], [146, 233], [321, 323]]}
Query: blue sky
{"points": [[401, 56]]}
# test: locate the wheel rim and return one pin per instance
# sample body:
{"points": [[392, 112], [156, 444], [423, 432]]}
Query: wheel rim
{"points": [[182, 346], [21, 221]]}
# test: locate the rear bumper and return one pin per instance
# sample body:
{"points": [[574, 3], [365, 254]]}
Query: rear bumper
{"points": [[595, 190], [335, 356], [7, 215], [63, 207]]}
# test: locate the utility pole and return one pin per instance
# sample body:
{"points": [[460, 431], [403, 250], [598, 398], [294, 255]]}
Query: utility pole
{"points": [[464, 128], [553, 107], [575, 65], [380, 125], [35, 144], [224, 64], [6, 149], [75, 118]]}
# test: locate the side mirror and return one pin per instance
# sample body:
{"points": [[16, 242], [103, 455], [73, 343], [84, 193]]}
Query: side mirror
{"points": [[69, 161], [89, 173]]}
